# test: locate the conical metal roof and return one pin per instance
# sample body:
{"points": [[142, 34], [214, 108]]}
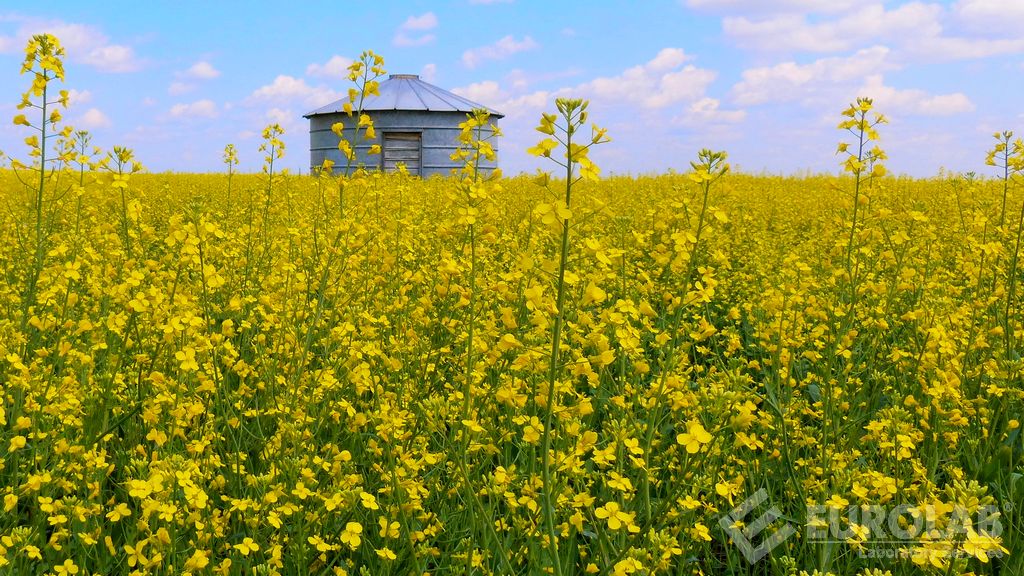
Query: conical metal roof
{"points": [[408, 92]]}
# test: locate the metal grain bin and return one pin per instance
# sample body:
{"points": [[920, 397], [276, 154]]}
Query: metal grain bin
{"points": [[416, 124]]}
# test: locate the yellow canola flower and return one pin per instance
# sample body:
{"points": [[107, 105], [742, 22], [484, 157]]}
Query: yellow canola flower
{"points": [[351, 535], [68, 568], [543, 148], [198, 560], [616, 517], [247, 546], [369, 501], [593, 294], [388, 529], [695, 437], [16, 443]]}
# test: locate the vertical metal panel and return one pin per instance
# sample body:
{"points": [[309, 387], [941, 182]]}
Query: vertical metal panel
{"points": [[402, 148], [438, 139]]}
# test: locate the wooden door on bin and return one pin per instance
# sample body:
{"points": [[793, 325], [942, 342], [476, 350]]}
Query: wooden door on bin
{"points": [[402, 147]]}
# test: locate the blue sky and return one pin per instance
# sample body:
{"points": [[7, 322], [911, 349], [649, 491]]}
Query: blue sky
{"points": [[763, 80]]}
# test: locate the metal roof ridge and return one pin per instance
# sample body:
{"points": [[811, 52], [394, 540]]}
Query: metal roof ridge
{"points": [[423, 91], [414, 83], [441, 94], [449, 96]]}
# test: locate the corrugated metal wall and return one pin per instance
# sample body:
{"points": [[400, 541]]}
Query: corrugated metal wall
{"points": [[439, 133]]}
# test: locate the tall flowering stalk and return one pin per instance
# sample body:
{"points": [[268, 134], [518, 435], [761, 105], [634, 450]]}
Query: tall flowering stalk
{"points": [[475, 137], [1008, 156], [365, 74], [121, 164], [273, 148], [44, 62], [708, 169], [230, 159], [84, 158], [863, 161], [562, 130]]}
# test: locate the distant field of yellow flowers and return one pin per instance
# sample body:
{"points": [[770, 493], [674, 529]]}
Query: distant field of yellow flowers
{"points": [[357, 373]]}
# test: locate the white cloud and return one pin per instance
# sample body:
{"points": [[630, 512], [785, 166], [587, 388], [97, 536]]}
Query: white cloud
{"points": [[665, 84], [519, 106], [179, 88], [823, 79], [870, 23], [985, 15], [336, 67], [890, 100], [666, 59], [503, 48], [279, 116], [429, 72], [84, 44], [835, 80], [79, 97], [917, 30], [520, 81], [112, 58], [197, 109], [408, 33], [293, 124], [202, 70], [533, 100], [944, 49], [660, 106], [92, 118], [708, 111], [404, 40], [487, 92], [776, 6], [660, 82], [426, 21], [288, 89]]}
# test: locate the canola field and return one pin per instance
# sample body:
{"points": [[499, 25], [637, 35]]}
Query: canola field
{"points": [[378, 374]]}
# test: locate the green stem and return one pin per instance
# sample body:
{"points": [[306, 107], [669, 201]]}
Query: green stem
{"points": [[40, 252], [1006, 181], [670, 357], [856, 198], [556, 341], [467, 391], [1011, 290]]}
